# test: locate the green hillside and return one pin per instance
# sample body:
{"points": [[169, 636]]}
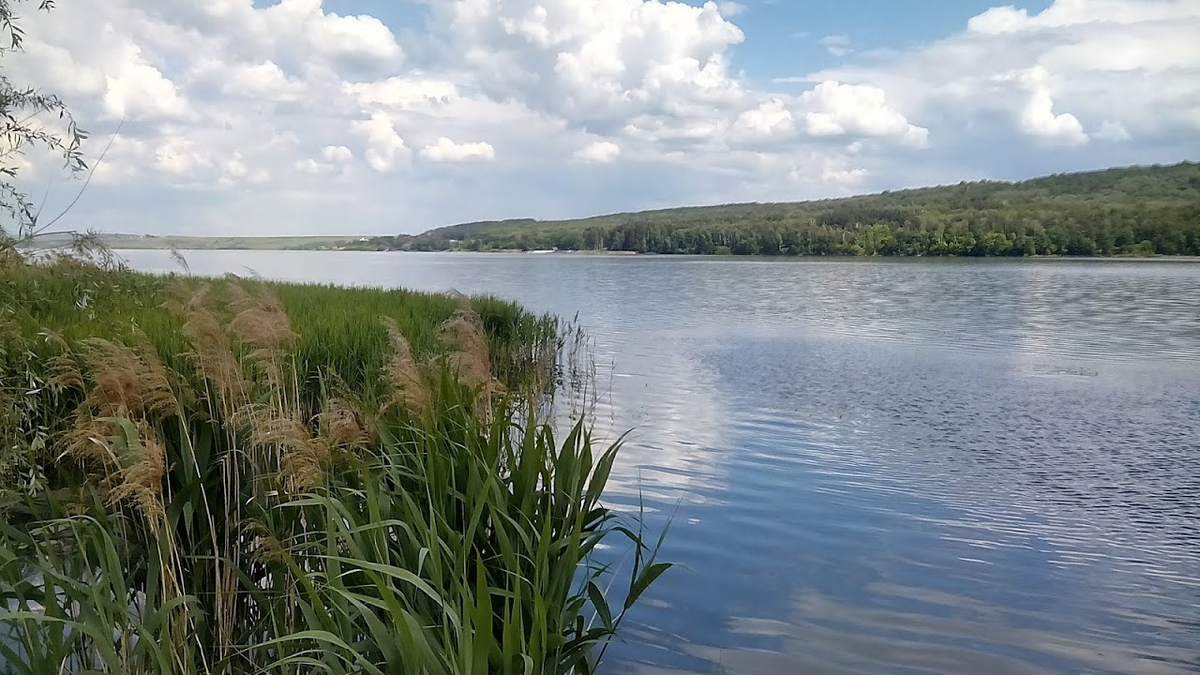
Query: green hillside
{"points": [[1127, 211]]}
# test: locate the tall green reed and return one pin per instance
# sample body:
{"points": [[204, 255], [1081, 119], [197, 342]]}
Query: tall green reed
{"points": [[272, 479]]}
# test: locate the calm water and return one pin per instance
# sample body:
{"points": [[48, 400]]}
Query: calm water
{"points": [[900, 467]]}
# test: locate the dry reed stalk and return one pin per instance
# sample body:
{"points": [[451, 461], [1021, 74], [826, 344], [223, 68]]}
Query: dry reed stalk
{"points": [[261, 322], [263, 327], [123, 384], [403, 373], [126, 383], [265, 547], [64, 371], [470, 357], [141, 479], [87, 441], [213, 356], [302, 459], [340, 424]]}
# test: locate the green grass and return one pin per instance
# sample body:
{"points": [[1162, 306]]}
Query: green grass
{"points": [[273, 495]]}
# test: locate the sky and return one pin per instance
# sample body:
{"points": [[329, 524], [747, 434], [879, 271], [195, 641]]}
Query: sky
{"points": [[289, 117]]}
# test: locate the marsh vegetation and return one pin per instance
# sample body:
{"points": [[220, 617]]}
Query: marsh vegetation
{"points": [[234, 476]]}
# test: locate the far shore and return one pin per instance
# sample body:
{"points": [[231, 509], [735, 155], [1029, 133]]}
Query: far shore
{"points": [[841, 258]]}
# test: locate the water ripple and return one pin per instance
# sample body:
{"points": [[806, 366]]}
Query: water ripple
{"points": [[903, 467]]}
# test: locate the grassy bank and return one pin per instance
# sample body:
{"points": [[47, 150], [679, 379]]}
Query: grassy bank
{"points": [[243, 477]]}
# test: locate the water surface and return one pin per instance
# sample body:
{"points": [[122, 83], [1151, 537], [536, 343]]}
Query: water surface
{"points": [[879, 466]]}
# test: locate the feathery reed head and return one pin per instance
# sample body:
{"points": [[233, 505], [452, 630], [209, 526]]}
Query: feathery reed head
{"points": [[141, 475], [302, 458], [259, 320], [469, 357], [410, 390], [213, 356], [126, 383], [341, 425]]}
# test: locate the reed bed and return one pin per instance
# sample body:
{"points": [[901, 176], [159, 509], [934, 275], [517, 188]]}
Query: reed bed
{"points": [[233, 476]]}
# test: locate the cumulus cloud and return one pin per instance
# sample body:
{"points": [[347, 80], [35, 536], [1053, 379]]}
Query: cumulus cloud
{"points": [[596, 62], [772, 118], [137, 90], [288, 115], [404, 92], [836, 109], [337, 154], [446, 150], [384, 148], [333, 159], [1038, 117], [1018, 85], [599, 152], [260, 81]]}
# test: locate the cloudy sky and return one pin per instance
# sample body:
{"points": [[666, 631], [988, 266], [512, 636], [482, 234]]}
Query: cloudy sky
{"points": [[385, 116]]}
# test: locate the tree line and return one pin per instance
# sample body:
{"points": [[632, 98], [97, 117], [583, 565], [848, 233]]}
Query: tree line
{"points": [[1131, 211]]}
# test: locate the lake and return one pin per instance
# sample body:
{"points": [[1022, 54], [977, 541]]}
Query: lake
{"points": [[900, 466]]}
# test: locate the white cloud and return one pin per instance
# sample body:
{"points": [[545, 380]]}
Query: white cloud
{"points": [[770, 118], [599, 152], [137, 90], [996, 20], [384, 147], [836, 109], [334, 159], [337, 154], [298, 32], [310, 166], [599, 62], [189, 165], [843, 177], [1069, 13], [1113, 131], [1025, 83], [730, 9], [404, 92], [288, 115], [446, 150], [838, 45], [261, 81], [1038, 117]]}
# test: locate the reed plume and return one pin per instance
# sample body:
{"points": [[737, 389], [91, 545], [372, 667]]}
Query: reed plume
{"points": [[403, 373], [301, 458], [469, 356], [142, 473], [126, 383], [259, 321], [212, 353], [340, 424]]}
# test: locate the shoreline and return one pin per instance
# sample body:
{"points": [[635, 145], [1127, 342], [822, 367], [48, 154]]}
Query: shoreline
{"points": [[840, 258]]}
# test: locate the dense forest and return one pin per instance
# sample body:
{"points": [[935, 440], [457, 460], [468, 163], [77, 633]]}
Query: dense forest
{"points": [[1129, 211]]}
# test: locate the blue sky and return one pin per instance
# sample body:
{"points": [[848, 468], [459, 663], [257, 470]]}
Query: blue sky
{"points": [[783, 37], [373, 116]]}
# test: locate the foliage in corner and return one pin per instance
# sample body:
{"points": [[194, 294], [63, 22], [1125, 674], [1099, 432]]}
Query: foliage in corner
{"points": [[29, 118]]}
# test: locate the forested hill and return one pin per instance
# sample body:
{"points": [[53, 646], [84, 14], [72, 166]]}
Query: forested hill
{"points": [[1129, 211]]}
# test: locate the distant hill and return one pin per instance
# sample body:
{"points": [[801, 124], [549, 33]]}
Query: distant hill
{"points": [[1127, 211], [1141, 210], [1137, 210]]}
